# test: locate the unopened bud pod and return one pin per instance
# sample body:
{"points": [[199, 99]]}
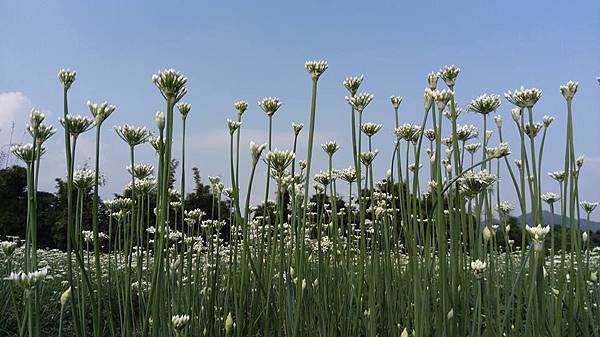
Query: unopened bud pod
{"points": [[160, 120]]}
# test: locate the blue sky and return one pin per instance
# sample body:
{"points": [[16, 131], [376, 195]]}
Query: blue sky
{"points": [[232, 50]]}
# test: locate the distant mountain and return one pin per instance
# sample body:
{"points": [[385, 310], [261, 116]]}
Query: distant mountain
{"points": [[594, 225]]}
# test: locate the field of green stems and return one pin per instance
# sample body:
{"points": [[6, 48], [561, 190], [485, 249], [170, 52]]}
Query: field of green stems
{"points": [[405, 252]]}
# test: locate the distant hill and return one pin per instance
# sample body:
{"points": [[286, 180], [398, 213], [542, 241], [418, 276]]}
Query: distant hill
{"points": [[594, 225]]}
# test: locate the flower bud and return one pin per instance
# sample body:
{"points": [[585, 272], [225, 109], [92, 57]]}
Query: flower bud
{"points": [[487, 234], [498, 121], [65, 297], [228, 324], [160, 120], [516, 114]]}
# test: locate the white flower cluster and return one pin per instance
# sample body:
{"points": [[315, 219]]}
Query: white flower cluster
{"points": [[478, 268], [100, 111], [28, 280], [180, 321], [8, 247], [133, 135], [330, 147], [270, 105], [360, 101], [485, 104], [76, 124], [316, 68], [524, 98], [171, 84], [569, 90], [67, 77], [538, 233], [233, 125], [353, 83]]}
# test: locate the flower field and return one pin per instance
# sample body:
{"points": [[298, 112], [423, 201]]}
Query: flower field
{"points": [[429, 247]]}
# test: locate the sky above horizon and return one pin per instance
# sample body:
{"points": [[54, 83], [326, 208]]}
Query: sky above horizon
{"points": [[242, 50]]}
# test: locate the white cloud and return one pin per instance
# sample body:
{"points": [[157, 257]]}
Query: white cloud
{"points": [[14, 107]]}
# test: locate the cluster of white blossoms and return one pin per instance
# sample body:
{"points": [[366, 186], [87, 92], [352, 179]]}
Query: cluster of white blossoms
{"points": [[485, 104], [83, 178], [88, 236], [171, 84], [569, 90], [270, 105], [316, 68], [360, 101], [140, 171], [353, 83], [240, 107], [408, 132], [432, 79], [180, 321], [133, 135], [370, 129], [367, 157], [8, 247], [442, 98], [41, 133], [100, 111], [324, 178], [396, 100], [504, 208], [67, 77], [472, 183], [550, 198], [330, 147], [473, 147], [588, 206], [524, 98], [449, 75], [36, 118], [24, 152], [184, 109], [28, 280], [119, 205], [233, 125], [297, 128], [502, 150], [76, 124], [547, 120], [279, 160], [559, 176], [194, 216], [532, 129], [466, 132], [348, 174], [538, 234], [478, 268]]}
